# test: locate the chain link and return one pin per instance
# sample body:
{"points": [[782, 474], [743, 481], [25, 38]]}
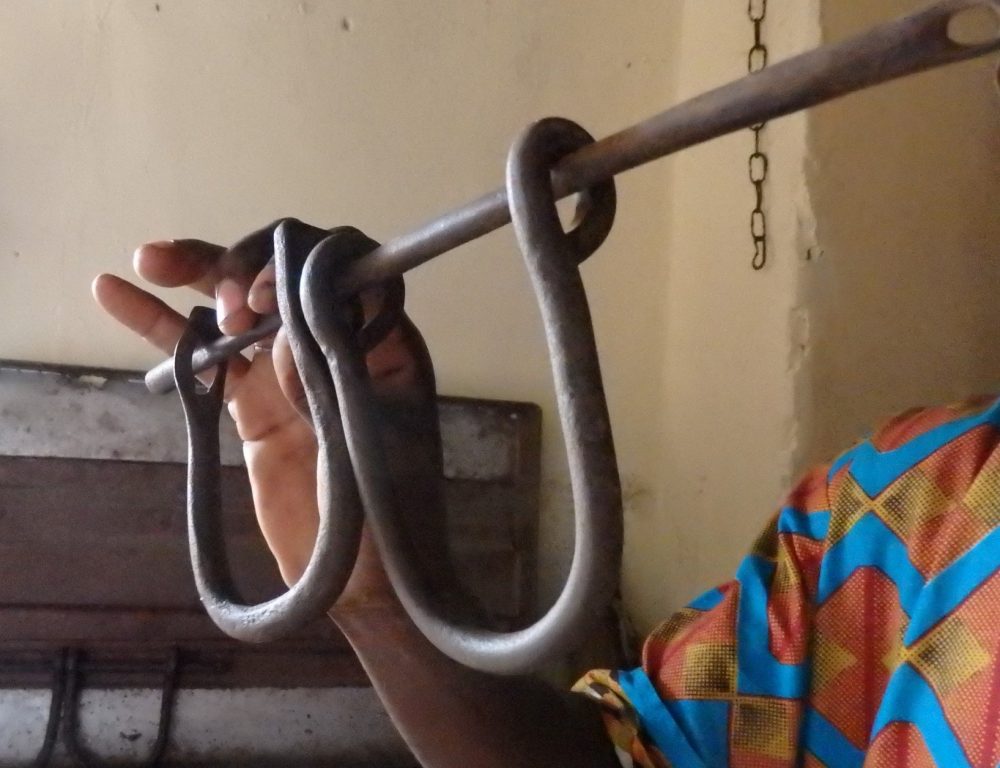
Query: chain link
{"points": [[758, 163]]}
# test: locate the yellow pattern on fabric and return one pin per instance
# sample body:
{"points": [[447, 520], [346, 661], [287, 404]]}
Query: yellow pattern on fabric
{"points": [[813, 626], [907, 504], [850, 506], [829, 660], [620, 720], [983, 497], [674, 628], [709, 670], [766, 544], [896, 654], [786, 575], [910, 502], [764, 726], [948, 656]]}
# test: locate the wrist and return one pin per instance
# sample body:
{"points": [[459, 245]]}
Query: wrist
{"points": [[368, 592]]}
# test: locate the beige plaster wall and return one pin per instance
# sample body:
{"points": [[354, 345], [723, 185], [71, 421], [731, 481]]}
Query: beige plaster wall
{"points": [[879, 294], [727, 414], [902, 292], [130, 121], [126, 121]]}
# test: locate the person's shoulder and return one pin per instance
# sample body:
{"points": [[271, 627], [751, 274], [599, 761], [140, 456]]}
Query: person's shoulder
{"points": [[921, 454], [948, 421]]}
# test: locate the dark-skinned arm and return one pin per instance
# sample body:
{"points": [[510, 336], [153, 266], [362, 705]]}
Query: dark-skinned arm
{"points": [[449, 715]]}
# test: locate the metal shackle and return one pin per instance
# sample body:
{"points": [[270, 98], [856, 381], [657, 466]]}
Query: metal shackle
{"points": [[552, 257], [353, 471], [340, 517]]}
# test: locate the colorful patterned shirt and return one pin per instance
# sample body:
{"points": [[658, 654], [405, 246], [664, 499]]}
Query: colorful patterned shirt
{"points": [[862, 630]]}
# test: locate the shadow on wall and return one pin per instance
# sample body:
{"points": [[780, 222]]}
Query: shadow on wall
{"points": [[904, 181]]}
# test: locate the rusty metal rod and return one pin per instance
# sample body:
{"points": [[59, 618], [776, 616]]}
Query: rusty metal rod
{"points": [[912, 44]]}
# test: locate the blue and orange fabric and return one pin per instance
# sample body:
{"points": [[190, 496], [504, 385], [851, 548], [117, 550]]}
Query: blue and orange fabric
{"points": [[863, 629]]}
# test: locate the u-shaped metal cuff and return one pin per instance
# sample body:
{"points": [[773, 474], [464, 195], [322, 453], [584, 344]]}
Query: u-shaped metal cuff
{"points": [[340, 517], [552, 257], [353, 470]]}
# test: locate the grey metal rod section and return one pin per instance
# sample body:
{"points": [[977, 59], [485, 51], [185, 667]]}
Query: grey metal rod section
{"points": [[906, 46]]}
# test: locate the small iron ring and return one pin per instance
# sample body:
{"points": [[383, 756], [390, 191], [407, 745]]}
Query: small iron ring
{"points": [[595, 206]]}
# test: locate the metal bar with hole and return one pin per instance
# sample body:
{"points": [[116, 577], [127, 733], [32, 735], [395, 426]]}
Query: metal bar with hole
{"points": [[914, 43]]}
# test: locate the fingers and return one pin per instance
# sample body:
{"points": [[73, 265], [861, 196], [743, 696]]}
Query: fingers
{"points": [[263, 296], [149, 317], [224, 274], [396, 366], [238, 269], [200, 264], [139, 311], [400, 365], [172, 263], [258, 407], [288, 375], [235, 317], [391, 363], [241, 279], [206, 268]]}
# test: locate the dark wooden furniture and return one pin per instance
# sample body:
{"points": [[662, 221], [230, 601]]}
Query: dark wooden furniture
{"points": [[93, 547]]}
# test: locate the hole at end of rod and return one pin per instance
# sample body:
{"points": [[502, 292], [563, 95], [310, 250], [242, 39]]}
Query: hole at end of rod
{"points": [[976, 25]]}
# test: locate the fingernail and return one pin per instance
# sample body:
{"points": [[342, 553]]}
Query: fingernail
{"points": [[263, 298], [228, 299]]}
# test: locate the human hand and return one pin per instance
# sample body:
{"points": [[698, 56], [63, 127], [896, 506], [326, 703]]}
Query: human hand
{"points": [[264, 395]]}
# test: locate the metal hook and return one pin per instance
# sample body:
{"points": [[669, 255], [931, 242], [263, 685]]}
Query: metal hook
{"points": [[339, 506], [167, 696], [71, 717], [55, 711], [168, 692]]}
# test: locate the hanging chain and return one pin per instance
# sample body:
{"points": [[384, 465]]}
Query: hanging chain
{"points": [[756, 61]]}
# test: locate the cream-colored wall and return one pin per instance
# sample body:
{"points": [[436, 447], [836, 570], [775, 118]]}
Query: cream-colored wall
{"points": [[727, 413], [879, 293], [902, 293], [124, 122], [130, 121]]}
